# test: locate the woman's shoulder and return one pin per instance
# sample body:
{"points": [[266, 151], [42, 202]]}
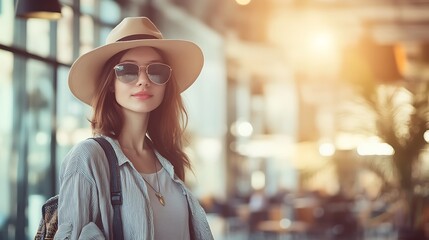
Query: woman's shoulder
{"points": [[85, 156], [86, 148]]}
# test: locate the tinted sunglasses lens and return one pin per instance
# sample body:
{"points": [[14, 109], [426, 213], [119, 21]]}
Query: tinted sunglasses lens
{"points": [[127, 72], [158, 73]]}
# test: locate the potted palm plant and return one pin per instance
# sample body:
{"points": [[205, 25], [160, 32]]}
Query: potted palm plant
{"points": [[400, 114]]}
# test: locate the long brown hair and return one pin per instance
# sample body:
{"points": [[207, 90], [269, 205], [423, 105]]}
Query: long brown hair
{"points": [[166, 123]]}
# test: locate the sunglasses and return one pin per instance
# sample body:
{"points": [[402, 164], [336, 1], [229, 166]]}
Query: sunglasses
{"points": [[157, 73]]}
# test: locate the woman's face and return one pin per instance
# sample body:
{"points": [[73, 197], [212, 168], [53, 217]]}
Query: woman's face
{"points": [[141, 95]]}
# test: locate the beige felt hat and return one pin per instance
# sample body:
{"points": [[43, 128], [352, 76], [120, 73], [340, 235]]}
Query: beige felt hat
{"points": [[185, 57]]}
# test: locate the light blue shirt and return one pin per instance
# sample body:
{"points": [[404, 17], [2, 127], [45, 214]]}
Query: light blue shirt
{"points": [[84, 208]]}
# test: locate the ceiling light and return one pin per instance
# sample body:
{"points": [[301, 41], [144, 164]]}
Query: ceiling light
{"points": [[44, 9]]}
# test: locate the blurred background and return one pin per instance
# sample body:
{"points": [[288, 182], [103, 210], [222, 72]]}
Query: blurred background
{"points": [[309, 119]]}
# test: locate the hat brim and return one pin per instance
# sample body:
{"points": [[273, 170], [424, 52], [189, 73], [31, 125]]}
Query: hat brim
{"points": [[185, 58]]}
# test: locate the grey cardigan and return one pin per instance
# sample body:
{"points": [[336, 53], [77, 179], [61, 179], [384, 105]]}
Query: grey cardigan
{"points": [[85, 211]]}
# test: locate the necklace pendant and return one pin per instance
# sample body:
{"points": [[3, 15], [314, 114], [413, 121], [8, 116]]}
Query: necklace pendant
{"points": [[160, 198]]}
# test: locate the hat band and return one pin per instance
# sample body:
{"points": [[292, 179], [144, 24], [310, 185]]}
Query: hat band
{"points": [[137, 37]]}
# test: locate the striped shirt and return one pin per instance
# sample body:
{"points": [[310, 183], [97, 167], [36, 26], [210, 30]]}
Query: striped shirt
{"points": [[85, 211]]}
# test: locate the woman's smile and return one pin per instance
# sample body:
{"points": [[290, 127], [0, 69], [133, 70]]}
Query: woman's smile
{"points": [[142, 95]]}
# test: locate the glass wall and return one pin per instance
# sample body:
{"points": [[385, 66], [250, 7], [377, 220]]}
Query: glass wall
{"points": [[6, 142], [37, 121], [40, 119]]}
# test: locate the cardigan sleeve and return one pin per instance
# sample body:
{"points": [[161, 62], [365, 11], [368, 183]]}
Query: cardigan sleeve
{"points": [[78, 202], [77, 207]]}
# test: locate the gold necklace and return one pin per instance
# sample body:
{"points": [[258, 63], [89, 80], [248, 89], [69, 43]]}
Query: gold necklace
{"points": [[158, 193]]}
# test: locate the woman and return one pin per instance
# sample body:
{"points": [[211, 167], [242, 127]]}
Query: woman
{"points": [[133, 84]]}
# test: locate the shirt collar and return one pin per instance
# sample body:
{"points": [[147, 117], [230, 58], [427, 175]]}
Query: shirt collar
{"points": [[122, 159], [165, 164]]}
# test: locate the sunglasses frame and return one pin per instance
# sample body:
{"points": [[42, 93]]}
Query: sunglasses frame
{"points": [[145, 67]]}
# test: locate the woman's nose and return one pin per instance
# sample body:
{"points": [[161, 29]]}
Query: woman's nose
{"points": [[143, 79]]}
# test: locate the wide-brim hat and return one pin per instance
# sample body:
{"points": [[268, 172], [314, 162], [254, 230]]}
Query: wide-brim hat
{"points": [[185, 57]]}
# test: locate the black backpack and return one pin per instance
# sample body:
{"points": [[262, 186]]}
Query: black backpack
{"points": [[49, 223]]}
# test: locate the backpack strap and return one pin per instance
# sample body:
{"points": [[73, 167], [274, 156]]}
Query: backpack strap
{"points": [[115, 187]]}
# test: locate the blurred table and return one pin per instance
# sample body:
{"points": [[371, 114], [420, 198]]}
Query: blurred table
{"points": [[283, 227]]}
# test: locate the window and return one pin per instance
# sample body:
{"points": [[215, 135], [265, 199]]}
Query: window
{"points": [[41, 119]]}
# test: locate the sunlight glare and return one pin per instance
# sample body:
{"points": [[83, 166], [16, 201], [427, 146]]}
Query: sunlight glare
{"points": [[377, 149], [242, 2], [426, 136], [242, 128], [258, 180], [326, 149], [322, 43]]}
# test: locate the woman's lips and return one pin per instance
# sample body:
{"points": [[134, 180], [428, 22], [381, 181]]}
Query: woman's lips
{"points": [[142, 95]]}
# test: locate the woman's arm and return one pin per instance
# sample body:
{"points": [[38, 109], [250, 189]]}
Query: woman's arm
{"points": [[78, 208], [78, 202]]}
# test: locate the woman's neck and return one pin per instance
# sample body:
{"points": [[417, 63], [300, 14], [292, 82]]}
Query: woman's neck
{"points": [[133, 131], [133, 144]]}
